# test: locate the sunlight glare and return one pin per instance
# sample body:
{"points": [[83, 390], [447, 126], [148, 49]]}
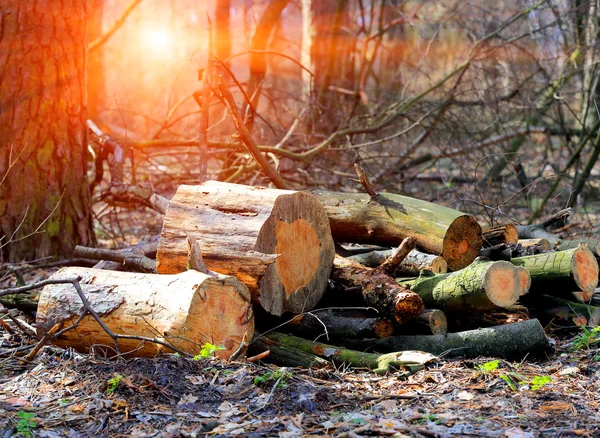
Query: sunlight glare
{"points": [[159, 41]]}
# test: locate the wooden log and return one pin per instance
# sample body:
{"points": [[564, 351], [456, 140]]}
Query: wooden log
{"points": [[187, 310], [284, 355], [334, 326], [387, 219], [568, 273], [510, 341], [592, 244], [500, 234], [277, 242], [565, 312], [415, 262], [407, 361], [541, 244], [430, 322], [379, 290], [482, 286]]}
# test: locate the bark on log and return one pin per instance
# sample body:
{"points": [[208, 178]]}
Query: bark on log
{"points": [[482, 286], [284, 355], [379, 290], [564, 312], [542, 244], [277, 242], [203, 309], [568, 273], [334, 327], [430, 322], [510, 341], [388, 219], [415, 262], [147, 247], [592, 244], [408, 361], [501, 234]]}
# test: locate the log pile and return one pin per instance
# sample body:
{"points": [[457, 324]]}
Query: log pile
{"points": [[267, 257]]}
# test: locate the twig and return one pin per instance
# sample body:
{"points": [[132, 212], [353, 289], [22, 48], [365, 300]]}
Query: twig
{"points": [[116, 26], [390, 265], [246, 139], [364, 180], [136, 261]]}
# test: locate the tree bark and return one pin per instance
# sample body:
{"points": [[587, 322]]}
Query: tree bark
{"points": [[204, 309], [482, 286], [557, 311], [277, 242], [388, 219], [379, 290], [415, 262], [333, 326], [570, 273], [501, 234], [44, 199], [510, 341]]}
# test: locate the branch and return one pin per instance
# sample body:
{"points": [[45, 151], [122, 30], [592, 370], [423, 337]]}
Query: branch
{"points": [[116, 26]]}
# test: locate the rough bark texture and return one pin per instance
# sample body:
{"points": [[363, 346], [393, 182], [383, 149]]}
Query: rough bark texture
{"points": [[277, 242], [541, 244], [592, 244], [43, 180], [501, 234], [415, 262], [388, 219], [284, 355], [510, 341], [328, 325], [204, 309], [557, 311], [481, 286], [379, 290], [430, 322], [562, 273]]}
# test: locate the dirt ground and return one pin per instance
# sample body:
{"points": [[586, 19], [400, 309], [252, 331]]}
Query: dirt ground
{"points": [[64, 393]]}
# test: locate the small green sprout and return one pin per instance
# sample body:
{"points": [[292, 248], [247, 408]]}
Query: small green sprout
{"points": [[113, 384], [25, 425], [278, 375], [488, 366], [208, 350]]}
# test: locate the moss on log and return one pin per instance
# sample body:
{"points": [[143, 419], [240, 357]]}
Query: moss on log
{"points": [[389, 218]]}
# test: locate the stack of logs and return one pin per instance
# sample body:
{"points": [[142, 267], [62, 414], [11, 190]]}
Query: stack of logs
{"points": [[268, 257]]}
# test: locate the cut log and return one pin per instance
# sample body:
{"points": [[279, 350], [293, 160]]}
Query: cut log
{"points": [[592, 244], [510, 341], [186, 310], [284, 355], [407, 361], [501, 234], [564, 312], [334, 327], [542, 244], [568, 273], [387, 219], [379, 290], [482, 286], [430, 322], [277, 242], [415, 262]]}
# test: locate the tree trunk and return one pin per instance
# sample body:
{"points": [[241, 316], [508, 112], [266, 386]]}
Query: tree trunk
{"points": [[557, 311], [501, 234], [415, 262], [44, 199], [568, 273], [482, 286], [333, 326], [204, 309], [277, 242], [95, 62], [510, 341], [388, 219]]}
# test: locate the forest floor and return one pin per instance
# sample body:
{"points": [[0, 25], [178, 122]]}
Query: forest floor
{"points": [[67, 394], [64, 393]]}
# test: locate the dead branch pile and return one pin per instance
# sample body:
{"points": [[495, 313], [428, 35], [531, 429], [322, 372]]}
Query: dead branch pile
{"points": [[231, 257]]}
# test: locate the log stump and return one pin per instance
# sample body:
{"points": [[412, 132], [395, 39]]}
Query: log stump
{"points": [[277, 242], [186, 310]]}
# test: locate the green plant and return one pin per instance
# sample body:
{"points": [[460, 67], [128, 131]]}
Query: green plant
{"points": [[25, 424], [488, 366], [278, 375], [538, 381], [508, 381], [208, 350], [113, 384], [586, 339]]}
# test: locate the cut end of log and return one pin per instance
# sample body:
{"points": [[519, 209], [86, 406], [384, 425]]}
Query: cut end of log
{"points": [[462, 242], [409, 306], [382, 328], [524, 280], [585, 269], [503, 284], [439, 266]]}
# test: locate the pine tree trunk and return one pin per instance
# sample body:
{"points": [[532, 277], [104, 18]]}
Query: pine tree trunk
{"points": [[44, 199]]}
